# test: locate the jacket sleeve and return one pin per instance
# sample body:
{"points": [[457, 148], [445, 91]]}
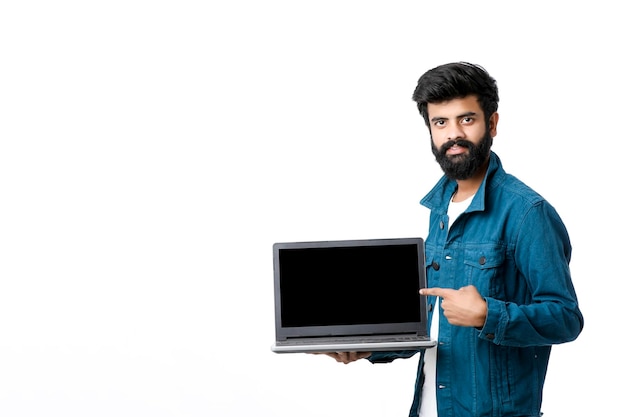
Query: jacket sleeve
{"points": [[551, 314], [386, 357]]}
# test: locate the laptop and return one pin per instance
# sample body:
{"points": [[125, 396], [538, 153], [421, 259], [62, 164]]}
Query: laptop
{"points": [[350, 295]]}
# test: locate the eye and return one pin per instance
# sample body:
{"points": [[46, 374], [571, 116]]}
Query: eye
{"points": [[439, 123], [467, 120]]}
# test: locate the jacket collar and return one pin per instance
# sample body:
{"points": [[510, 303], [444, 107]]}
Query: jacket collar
{"points": [[438, 198]]}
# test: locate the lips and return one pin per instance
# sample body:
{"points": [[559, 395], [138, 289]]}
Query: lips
{"points": [[456, 150]]}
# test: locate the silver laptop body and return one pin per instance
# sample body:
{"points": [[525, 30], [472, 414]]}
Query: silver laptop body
{"points": [[350, 295]]}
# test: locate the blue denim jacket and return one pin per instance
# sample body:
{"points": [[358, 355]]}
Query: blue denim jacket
{"points": [[511, 244]]}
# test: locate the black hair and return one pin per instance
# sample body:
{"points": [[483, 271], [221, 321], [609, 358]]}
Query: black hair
{"points": [[456, 80]]}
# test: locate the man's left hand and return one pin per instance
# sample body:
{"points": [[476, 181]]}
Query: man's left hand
{"points": [[462, 307]]}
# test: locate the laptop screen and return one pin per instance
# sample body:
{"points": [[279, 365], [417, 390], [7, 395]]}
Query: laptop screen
{"points": [[349, 287]]}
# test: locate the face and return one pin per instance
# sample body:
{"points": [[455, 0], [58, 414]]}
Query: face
{"points": [[460, 137]]}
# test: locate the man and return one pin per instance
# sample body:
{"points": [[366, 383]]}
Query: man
{"points": [[497, 263]]}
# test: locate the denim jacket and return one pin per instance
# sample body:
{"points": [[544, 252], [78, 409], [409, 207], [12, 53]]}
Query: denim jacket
{"points": [[512, 245]]}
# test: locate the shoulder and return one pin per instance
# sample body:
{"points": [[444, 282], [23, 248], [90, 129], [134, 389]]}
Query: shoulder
{"points": [[512, 187], [504, 185]]}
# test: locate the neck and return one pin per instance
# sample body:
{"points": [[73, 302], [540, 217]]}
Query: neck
{"points": [[467, 188]]}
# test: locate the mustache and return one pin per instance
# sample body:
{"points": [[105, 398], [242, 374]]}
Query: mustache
{"points": [[460, 142]]}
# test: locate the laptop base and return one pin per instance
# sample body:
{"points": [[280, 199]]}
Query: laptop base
{"points": [[355, 347]]}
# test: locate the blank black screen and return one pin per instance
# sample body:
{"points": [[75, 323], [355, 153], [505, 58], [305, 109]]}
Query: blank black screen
{"points": [[349, 285]]}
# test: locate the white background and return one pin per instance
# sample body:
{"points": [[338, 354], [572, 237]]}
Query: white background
{"points": [[152, 151]]}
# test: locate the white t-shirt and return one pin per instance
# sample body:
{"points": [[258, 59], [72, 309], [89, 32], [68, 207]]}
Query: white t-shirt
{"points": [[428, 406]]}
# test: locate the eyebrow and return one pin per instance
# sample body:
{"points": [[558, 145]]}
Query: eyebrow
{"points": [[460, 116]]}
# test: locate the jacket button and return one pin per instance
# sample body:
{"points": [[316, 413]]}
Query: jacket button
{"points": [[491, 336], [482, 260], [441, 225], [435, 266], [430, 308]]}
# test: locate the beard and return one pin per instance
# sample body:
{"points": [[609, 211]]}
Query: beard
{"points": [[464, 166]]}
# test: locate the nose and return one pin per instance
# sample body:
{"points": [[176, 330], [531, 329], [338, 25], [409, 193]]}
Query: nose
{"points": [[455, 131]]}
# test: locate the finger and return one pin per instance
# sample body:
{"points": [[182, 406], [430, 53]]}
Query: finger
{"points": [[335, 355], [436, 291], [364, 355], [349, 357], [427, 291], [469, 288], [355, 356], [340, 357]]}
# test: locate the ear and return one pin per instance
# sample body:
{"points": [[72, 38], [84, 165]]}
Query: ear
{"points": [[493, 124]]}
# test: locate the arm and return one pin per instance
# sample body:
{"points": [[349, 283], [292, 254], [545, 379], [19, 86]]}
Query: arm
{"points": [[373, 357], [551, 314], [386, 357]]}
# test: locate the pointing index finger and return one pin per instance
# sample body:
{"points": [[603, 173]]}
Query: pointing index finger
{"points": [[436, 291]]}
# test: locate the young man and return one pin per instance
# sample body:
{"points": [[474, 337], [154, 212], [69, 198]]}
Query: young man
{"points": [[497, 263]]}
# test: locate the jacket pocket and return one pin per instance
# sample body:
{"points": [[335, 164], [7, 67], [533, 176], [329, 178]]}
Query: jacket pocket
{"points": [[483, 267]]}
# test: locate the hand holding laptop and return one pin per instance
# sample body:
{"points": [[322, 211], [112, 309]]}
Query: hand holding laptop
{"points": [[345, 357]]}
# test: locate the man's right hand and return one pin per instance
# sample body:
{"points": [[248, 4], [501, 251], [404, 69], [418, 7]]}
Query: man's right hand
{"points": [[345, 357]]}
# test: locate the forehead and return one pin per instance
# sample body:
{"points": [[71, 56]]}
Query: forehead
{"points": [[454, 108]]}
